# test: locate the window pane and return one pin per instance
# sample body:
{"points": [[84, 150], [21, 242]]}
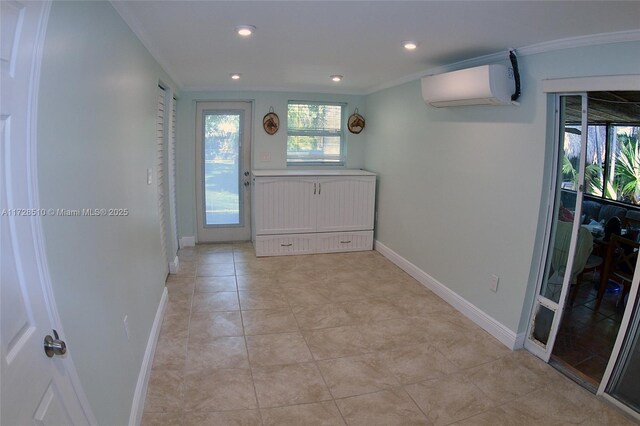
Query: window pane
{"points": [[315, 133], [313, 148], [594, 169], [221, 168], [624, 172], [571, 149]]}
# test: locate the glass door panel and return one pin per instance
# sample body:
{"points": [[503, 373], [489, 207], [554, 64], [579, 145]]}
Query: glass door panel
{"points": [[221, 168], [223, 146], [569, 245], [625, 381]]}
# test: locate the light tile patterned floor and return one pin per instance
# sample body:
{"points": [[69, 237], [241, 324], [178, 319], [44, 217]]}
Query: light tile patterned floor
{"points": [[338, 339]]}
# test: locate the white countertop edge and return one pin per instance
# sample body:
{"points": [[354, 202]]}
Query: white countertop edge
{"points": [[312, 172]]}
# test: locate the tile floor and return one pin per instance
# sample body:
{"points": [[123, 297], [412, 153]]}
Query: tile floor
{"points": [[338, 339], [586, 336]]}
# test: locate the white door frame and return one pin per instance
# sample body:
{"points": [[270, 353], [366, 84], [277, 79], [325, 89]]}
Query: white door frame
{"points": [[22, 187], [590, 84], [531, 344]]}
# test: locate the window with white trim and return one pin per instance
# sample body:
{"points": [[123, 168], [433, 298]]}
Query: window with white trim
{"points": [[315, 133]]}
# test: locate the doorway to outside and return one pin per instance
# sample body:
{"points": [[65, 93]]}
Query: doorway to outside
{"points": [[586, 313], [223, 181]]}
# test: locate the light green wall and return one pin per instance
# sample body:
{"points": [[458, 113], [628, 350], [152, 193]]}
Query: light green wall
{"points": [[96, 139], [460, 189], [262, 143]]}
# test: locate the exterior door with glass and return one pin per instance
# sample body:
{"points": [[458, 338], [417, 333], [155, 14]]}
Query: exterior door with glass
{"points": [[568, 245], [223, 181]]}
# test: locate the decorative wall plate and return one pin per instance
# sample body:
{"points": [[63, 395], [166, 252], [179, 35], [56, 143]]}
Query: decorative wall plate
{"points": [[271, 122], [355, 124]]}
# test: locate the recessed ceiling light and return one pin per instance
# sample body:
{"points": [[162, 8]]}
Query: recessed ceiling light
{"points": [[336, 78], [235, 76], [245, 30], [409, 45]]}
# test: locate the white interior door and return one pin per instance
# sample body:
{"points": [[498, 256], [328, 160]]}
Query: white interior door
{"points": [[556, 273], [223, 175], [35, 389]]}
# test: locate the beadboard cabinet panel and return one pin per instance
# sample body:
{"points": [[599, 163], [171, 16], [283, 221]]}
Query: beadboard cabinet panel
{"points": [[345, 203], [302, 212], [285, 205]]}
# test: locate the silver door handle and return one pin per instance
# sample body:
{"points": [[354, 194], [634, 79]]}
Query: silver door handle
{"points": [[319, 188], [314, 188], [54, 346], [286, 245]]}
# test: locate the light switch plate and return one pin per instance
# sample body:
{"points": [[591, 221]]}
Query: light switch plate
{"points": [[493, 283]]}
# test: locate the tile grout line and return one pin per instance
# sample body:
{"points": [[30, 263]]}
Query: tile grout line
{"points": [[246, 345], [315, 362]]}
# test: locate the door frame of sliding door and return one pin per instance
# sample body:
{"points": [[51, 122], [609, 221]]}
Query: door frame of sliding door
{"points": [[530, 343]]}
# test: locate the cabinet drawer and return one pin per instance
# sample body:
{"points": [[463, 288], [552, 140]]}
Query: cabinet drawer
{"points": [[344, 241], [279, 245]]}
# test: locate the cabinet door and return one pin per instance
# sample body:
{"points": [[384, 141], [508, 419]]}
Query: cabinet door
{"points": [[285, 205], [346, 203]]}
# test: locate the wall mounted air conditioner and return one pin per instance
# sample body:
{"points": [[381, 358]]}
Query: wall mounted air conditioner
{"points": [[483, 85]]}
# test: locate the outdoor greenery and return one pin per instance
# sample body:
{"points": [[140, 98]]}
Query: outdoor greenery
{"points": [[221, 136], [623, 180], [221, 155], [314, 131]]}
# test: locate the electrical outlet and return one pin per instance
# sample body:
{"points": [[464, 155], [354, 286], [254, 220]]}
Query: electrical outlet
{"points": [[493, 283], [125, 320]]}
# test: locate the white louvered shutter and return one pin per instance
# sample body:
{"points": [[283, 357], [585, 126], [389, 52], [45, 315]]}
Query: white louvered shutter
{"points": [[160, 129]]}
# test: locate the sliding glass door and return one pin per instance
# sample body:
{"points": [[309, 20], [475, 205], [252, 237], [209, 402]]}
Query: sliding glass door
{"points": [[568, 247], [625, 381]]}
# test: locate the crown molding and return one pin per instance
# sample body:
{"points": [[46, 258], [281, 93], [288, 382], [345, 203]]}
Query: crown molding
{"points": [[129, 18], [534, 49], [231, 88]]}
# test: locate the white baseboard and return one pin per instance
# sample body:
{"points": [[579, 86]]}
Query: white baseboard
{"points": [[520, 338], [140, 393], [174, 266], [468, 309], [187, 242]]}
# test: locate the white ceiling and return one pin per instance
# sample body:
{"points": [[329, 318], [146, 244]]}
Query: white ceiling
{"points": [[298, 45]]}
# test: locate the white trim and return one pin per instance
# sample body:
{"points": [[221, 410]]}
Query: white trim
{"points": [[630, 412], [590, 84], [132, 22], [520, 339], [622, 331], [581, 41], [187, 242], [284, 89], [509, 338], [549, 46], [137, 406], [174, 265]]}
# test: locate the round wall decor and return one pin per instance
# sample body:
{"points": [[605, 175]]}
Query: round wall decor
{"points": [[271, 122], [355, 124]]}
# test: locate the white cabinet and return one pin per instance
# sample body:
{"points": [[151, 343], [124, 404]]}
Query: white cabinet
{"points": [[284, 205], [299, 212]]}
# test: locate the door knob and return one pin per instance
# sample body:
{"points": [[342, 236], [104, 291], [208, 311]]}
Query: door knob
{"points": [[54, 346]]}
